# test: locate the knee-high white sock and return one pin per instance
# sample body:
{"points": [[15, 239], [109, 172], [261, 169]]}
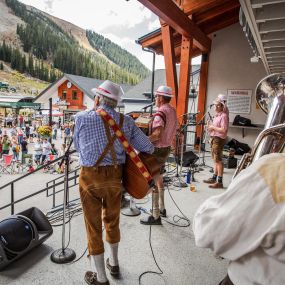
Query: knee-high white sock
{"points": [[99, 263], [114, 247], [161, 199], [155, 210]]}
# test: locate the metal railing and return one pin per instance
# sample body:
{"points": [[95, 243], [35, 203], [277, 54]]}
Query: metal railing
{"points": [[11, 184], [52, 184]]}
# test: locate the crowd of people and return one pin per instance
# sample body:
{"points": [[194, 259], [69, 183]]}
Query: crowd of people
{"points": [[19, 138]]}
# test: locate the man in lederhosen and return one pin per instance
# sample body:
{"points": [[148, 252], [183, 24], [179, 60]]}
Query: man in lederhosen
{"points": [[164, 127], [101, 159]]}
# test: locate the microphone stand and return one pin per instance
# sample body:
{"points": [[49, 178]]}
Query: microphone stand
{"points": [[203, 138], [179, 183], [64, 254]]}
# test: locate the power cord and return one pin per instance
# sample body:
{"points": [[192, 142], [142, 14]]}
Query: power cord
{"points": [[153, 256], [149, 271], [176, 219]]}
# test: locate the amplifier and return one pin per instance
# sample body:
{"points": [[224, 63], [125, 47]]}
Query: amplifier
{"points": [[22, 232]]}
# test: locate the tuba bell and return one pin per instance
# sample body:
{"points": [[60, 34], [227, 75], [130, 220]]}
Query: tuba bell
{"points": [[270, 96]]}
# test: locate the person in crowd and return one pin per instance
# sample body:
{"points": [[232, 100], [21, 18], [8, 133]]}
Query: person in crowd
{"points": [[218, 130], [21, 121], [9, 121], [18, 150], [14, 145], [101, 176], [67, 134], [245, 224], [61, 152], [164, 127], [20, 135], [32, 134], [38, 151], [6, 143], [1, 145], [53, 150], [13, 132], [46, 150], [24, 148], [27, 131], [54, 131]]}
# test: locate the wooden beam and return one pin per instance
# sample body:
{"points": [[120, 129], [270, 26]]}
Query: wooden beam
{"points": [[184, 77], [216, 12], [194, 6], [218, 24], [169, 12], [202, 95], [169, 60]]}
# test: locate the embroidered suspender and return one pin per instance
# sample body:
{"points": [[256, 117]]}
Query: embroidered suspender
{"points": [[128, 148]]}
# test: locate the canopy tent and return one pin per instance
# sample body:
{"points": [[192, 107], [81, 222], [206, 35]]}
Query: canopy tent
{"points": [[55, 113]]}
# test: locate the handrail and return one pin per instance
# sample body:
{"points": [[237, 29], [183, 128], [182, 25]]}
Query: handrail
{"points": [[35, 193], [11, 183], [54, 184], [38, 169]]}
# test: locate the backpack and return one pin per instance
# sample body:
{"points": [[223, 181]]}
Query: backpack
{"points": [[241, 121]]}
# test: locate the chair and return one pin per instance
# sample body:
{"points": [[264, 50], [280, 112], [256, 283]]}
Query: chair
{"points": [[8, 165]]}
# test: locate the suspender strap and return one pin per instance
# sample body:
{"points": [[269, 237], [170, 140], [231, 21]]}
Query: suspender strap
{"points": [[128, 148], [110, 145], [161, 115]]}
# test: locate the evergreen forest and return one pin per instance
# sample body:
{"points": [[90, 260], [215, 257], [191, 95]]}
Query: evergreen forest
{"points": [[49, 51]]}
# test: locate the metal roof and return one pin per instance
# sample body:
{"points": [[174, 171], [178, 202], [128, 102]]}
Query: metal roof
{"points": [[140, 90], [263, 22]]}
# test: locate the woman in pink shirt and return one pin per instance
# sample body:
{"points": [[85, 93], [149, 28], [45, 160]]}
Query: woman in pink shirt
{"points": [[218, 130]]}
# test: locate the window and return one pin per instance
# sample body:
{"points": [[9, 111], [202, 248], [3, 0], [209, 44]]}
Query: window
{"points": [[74, 95], [63, 95]]}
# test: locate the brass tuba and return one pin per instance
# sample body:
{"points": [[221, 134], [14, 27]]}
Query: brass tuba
{"points": [[270, 96]]}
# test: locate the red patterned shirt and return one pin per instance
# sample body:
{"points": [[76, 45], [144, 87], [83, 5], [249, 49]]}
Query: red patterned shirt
{"points": [[169, 126]]}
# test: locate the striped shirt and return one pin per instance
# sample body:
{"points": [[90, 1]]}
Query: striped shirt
{"points": [[90, 138], [169, 126]]}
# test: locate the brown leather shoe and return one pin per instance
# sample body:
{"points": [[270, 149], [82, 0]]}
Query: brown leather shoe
{"points": [[91, 279], [217, 185], [210, 180], [114, 270]]}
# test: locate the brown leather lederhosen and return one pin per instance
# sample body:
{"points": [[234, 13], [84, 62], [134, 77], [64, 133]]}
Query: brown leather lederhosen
{"points": [[100, 192]]}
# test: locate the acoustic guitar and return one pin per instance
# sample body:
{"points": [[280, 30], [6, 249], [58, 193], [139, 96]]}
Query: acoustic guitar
{"points": [[134, 181]]}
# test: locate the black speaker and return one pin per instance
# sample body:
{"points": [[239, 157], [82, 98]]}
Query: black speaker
{"points": [[22, 232], [189, 158]]}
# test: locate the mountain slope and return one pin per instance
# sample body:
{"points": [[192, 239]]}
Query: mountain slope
{"points": [[49, 43]]}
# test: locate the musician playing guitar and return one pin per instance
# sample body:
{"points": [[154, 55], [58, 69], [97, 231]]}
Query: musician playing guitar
{"points": [[163, 127], [101, 159]]}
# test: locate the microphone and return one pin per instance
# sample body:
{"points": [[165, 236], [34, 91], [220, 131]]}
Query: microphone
{"points": [[147, 106]]}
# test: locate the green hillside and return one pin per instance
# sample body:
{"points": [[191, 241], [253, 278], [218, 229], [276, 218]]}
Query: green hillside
{"points": [[116, 54], [49, 51]]}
